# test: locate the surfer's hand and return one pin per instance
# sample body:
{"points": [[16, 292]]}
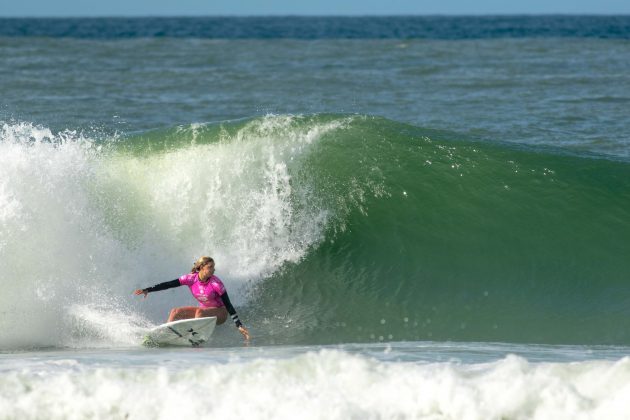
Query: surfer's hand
{"points": [[141, 292], [244, 331]]}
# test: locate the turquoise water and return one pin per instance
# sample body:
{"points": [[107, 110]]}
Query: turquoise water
{"points": [[441, 220]]}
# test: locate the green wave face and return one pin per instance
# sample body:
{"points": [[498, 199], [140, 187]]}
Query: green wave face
{"points": [[442, 239]]}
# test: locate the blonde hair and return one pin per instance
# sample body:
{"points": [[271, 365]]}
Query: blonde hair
{"points": [[200, 263]]}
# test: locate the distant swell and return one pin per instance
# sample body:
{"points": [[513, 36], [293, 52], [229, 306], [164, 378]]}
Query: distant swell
{"points": [[330, 27]]}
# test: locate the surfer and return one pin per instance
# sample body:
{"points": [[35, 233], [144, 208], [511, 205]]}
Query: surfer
{"points": [[208, 289]]}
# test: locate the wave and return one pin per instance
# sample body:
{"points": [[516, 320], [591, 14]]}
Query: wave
{"points": [[325, 228]]}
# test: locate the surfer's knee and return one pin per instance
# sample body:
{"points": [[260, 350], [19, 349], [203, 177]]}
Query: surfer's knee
{"points": [[172, 314], [180, 313]]}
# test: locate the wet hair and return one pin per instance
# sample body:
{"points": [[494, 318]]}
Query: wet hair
{"points": [[200, 263]]}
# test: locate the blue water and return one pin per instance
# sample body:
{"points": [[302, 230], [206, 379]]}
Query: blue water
{"points": [[318, 28]]}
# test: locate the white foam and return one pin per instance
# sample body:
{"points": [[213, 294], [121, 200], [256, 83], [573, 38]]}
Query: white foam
{"points": [[54, 244], [323, 385], [85, 225]]}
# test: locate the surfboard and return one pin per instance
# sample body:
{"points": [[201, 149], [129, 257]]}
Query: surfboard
{"points": [[185, 332]]}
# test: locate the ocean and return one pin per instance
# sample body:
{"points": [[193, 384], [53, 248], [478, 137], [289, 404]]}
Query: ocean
{"points": [[415, 217]]}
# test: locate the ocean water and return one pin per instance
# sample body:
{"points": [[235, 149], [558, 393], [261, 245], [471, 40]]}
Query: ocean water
{"points": [[423, 217]]}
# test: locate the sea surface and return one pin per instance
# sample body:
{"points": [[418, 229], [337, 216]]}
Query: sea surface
{"points": [[415, 217]]}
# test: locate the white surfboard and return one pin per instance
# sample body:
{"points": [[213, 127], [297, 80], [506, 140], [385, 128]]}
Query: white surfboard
{"points": [[185, 332]]}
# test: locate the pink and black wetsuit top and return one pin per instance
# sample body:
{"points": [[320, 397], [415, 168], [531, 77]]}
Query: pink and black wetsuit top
{"points": [[210, 294]]}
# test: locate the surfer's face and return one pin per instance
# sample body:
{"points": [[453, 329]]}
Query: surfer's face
{"points": [[207, 270]]}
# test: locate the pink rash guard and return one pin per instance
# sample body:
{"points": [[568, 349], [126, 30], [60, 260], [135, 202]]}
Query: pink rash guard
{"points": [[208, 294]]}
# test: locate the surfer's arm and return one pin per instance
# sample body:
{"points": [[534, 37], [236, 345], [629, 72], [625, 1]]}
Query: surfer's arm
{"points": [[163, 286], [228, 305]]}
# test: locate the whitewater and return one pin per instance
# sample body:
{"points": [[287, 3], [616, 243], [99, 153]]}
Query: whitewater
{"points": [[296, 382]]}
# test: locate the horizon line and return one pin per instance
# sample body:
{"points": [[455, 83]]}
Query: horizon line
{"points": [[290, 15]]}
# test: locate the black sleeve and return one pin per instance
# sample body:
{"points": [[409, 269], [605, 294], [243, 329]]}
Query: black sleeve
{"points": [[228, 305], [163, 286]]}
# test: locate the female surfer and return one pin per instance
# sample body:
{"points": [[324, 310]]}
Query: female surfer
{"points": [[208, 289]]}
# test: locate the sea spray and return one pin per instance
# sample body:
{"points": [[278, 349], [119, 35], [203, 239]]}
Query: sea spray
{"points": [[54, 244], [85, 221]]}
